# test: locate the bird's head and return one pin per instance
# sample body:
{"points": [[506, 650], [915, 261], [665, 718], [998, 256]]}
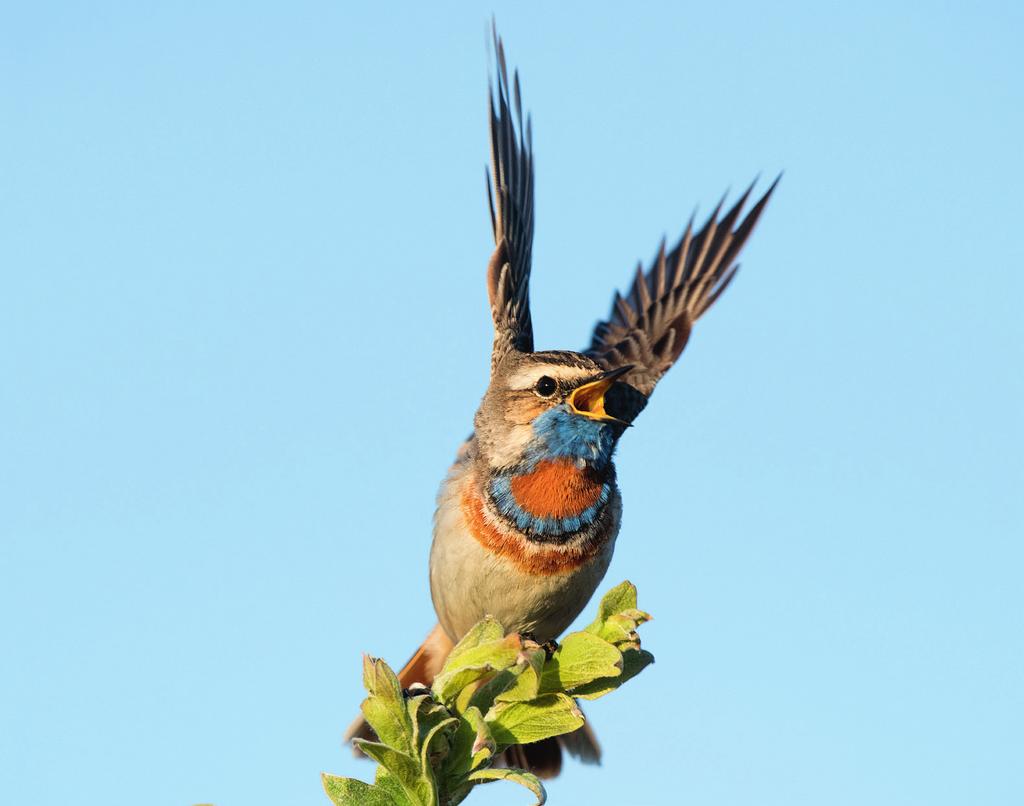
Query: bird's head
{"points": [[553, 404]]}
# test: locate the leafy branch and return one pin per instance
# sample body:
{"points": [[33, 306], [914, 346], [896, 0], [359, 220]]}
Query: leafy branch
{"points": [[495, 690]]}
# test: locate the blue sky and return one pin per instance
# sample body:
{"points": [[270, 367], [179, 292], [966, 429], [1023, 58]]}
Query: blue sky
{"points": [[243, 329]]}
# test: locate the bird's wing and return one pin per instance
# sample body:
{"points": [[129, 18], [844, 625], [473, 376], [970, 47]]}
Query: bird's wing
{"points": [[510, 194], [650, 326]]}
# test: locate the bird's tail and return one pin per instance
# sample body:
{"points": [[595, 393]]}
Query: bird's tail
{"points": [[543, 758]]}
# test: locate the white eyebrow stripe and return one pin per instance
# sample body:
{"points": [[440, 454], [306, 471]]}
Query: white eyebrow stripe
{"points": [[527, 377]]}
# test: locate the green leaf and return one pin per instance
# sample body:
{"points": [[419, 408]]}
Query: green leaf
{"points": [[472, 745], [618, 630], [518, 682], [385, 708], [638, 617], [379, 679], [350, 792], [386, 782], [581, 658], [527, 779], [458, 761], [484, 746], [523, 722], [416, 782], [621, 597], [464, 698], [474, 664], [483, 697], [528, 671], [425, 715], [634, 661], [484, 631], [618, 618], [436, 736]]}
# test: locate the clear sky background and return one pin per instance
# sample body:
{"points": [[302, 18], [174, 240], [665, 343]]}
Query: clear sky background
{"points": [[243, 329]]}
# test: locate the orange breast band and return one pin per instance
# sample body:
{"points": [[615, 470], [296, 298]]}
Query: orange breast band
{"points": [[557, 488], [531, 558]]}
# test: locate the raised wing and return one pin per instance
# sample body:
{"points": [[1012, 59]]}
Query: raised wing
{"points": [[510, 194], [650, 326]]}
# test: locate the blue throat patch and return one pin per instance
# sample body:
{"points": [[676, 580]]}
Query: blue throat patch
{"points": [[558, 434]]}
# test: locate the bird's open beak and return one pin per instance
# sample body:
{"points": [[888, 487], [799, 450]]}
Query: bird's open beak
{"points": [[588, 400]]}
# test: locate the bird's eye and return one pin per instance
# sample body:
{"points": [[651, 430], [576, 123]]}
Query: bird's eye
{"points": [[545, 386]]}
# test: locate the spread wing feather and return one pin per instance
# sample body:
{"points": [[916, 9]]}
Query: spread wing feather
{"points": [[650, 326], [510, 195]]}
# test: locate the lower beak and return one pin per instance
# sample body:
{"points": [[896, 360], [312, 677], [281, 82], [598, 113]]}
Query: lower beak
{"points": [[588, 400]]}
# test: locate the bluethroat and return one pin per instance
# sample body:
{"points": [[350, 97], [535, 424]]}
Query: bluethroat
{"points": [[528, 515]]}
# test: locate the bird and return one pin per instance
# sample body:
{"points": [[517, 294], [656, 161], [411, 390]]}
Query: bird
{"points": [[528, 515]]}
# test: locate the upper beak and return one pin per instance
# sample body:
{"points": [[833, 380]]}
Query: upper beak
{"points": [[588, 399]]}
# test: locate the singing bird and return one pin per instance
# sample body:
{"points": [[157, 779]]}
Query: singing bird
{"points": [[528, 515]]}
